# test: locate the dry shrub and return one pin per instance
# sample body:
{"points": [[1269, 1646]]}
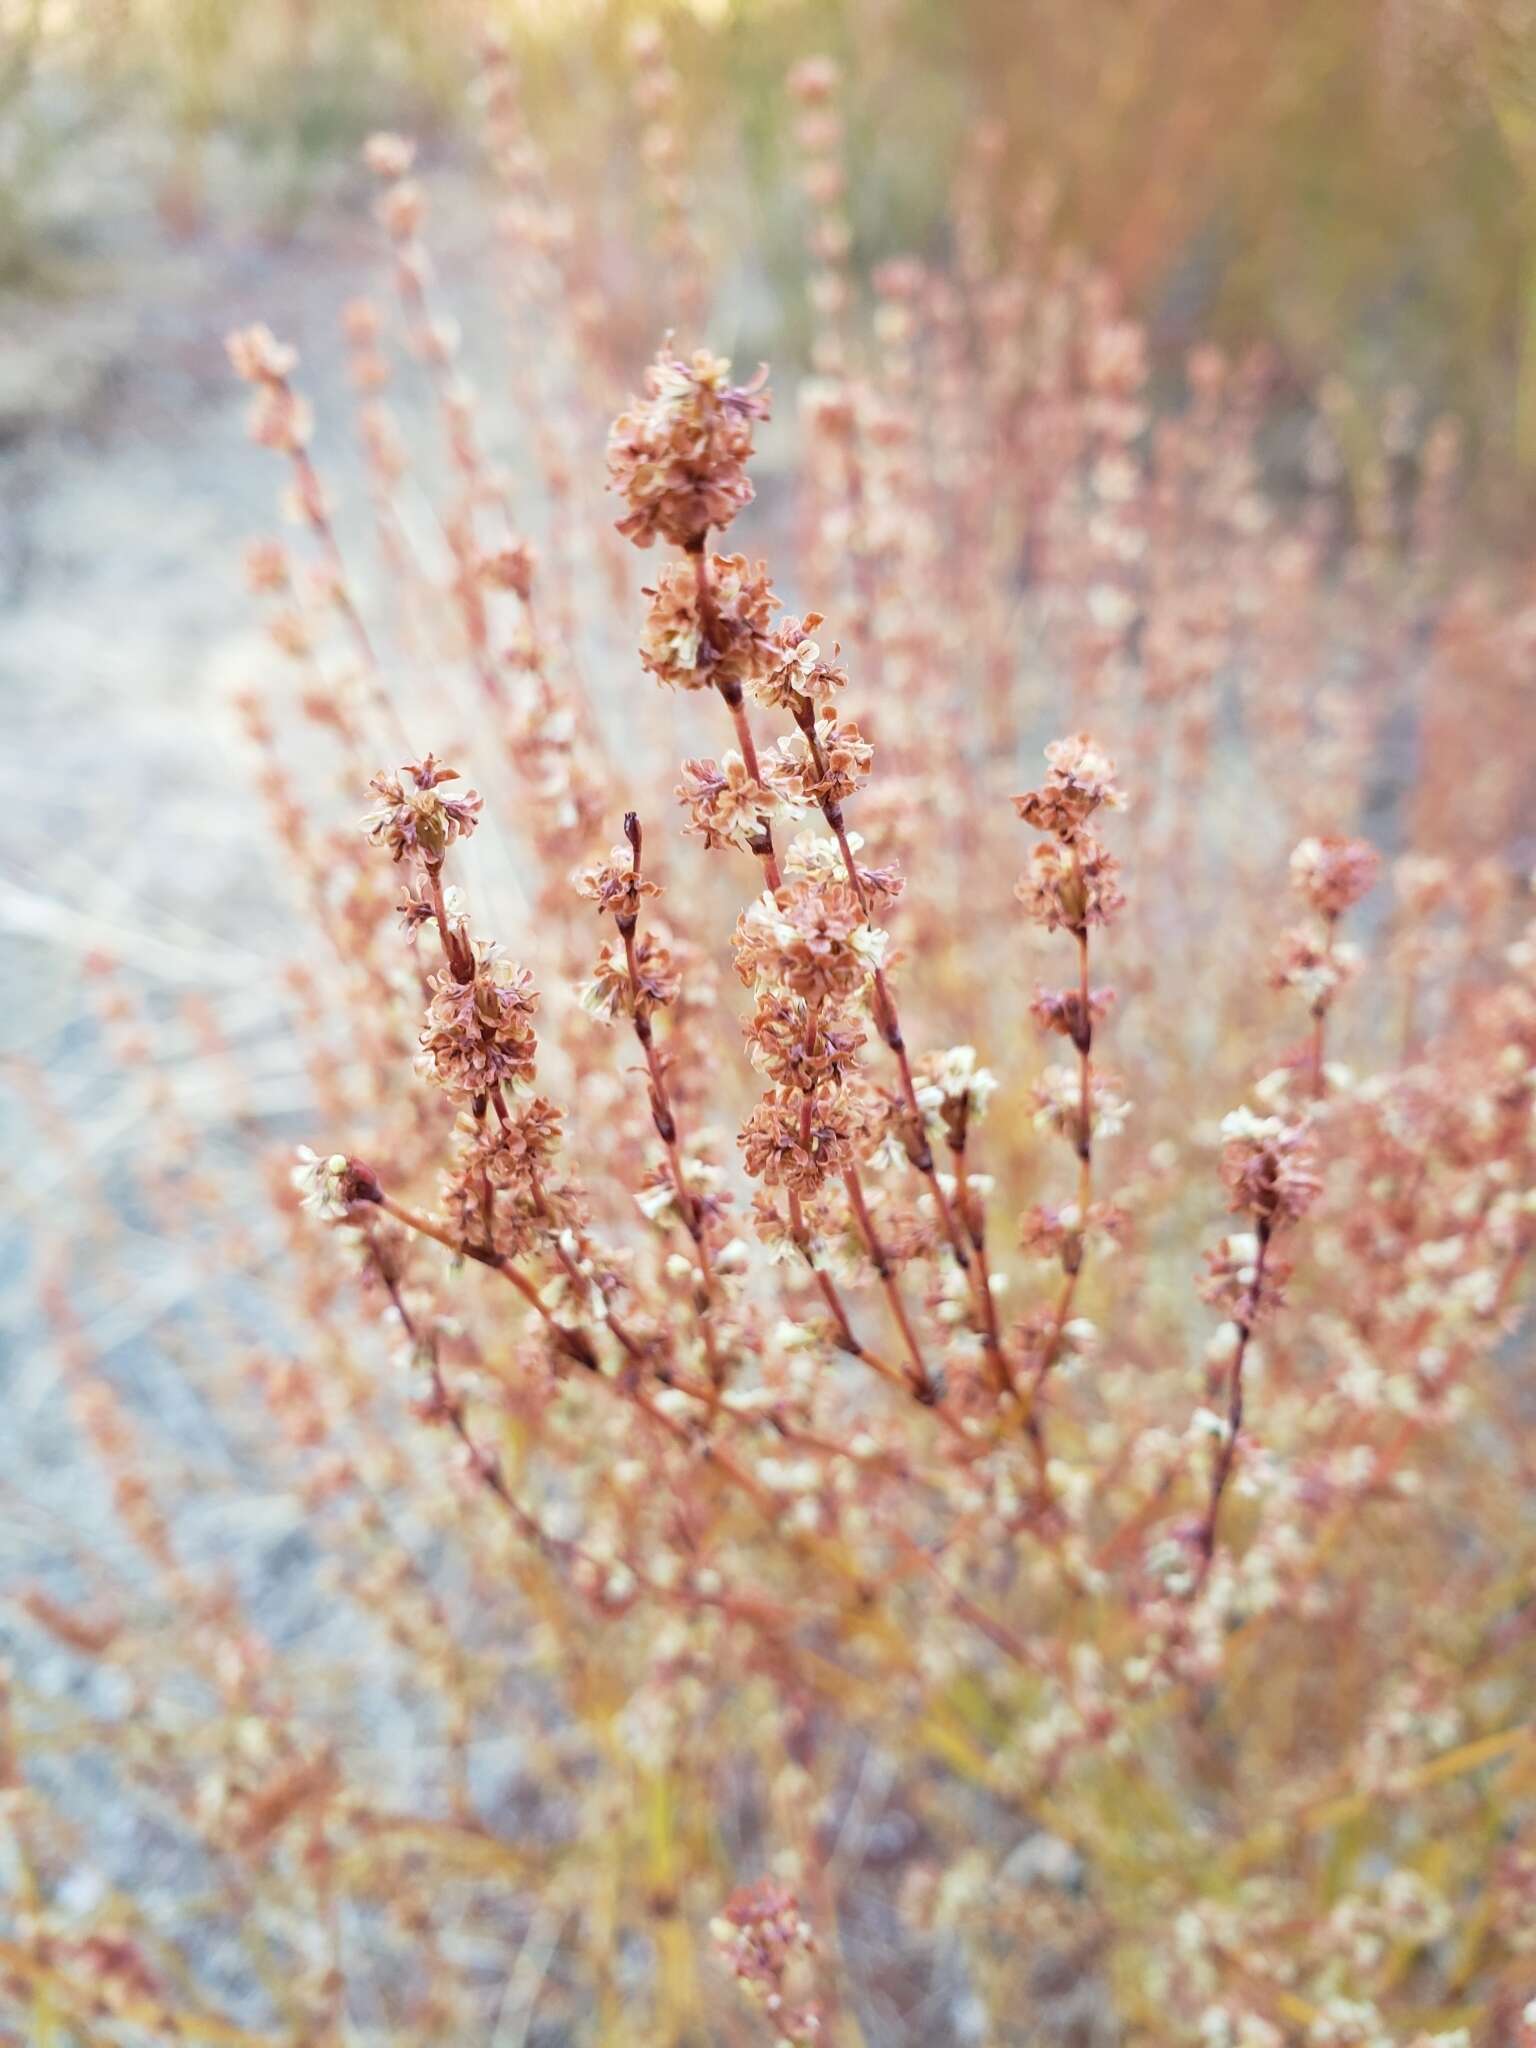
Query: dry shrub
{"points": [[835, 1449]]}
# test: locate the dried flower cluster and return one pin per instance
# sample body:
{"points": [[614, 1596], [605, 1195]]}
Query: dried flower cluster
{"points": [[789, 1441]]}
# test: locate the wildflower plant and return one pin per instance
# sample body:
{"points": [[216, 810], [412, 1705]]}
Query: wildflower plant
{"points": [[740, 1331]]}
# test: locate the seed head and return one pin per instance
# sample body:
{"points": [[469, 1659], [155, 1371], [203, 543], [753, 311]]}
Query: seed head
{"points": [[413, 818], [1081, 781], [479, 1032], [679, 455], [1332, 874], [328, 1187], [735, 652]]}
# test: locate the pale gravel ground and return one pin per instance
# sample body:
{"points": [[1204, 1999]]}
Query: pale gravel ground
{"points": [[128, 490]]}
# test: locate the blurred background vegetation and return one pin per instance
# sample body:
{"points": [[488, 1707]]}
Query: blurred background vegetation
{"points": [[1351, 181]]}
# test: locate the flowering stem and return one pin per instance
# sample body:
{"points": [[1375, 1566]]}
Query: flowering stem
{"points": [[630, 1344], [573, 1341], [730, 692], [663, 1115], [888, 1022], [922, 1385], [853, 1345], [1316, 1062], [1084, 1070], [577, 1344], [309, 493], [455, 955], [974, 1217], [826, 1284], [922, 1380], [1072, 1249], [460, 958], [426, 334], [487, 1469], [1226, 1456]]}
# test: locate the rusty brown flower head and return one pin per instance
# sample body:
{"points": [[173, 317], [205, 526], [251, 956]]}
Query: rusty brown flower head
{"points": [[479, 1032], [810, 938], [412, 816], [736, 649], [678, 456], [1081, 781], [1334, 873], [1268, 1167]]}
